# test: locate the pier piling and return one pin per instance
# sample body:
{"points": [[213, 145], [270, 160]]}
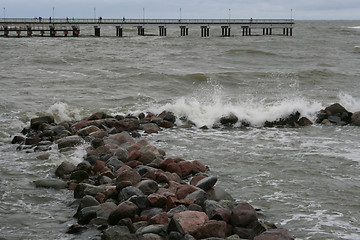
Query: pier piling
{"points": [[184, 31], [97, 31], [119, 31]]}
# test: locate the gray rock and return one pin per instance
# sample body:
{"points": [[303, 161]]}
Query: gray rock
{"points": [[128, 192], [88, 201], [115, 233], [158, 229], [151, 212], [150, 127], [141, 201], [83, 189], [64, 168], [200, 196], [142, 169], [148, 186], [114, 162], [355, 119], [70, 141], [50, 183], [206, 183]]}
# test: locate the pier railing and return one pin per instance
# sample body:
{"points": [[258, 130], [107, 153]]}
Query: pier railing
{"points": [[85, 21]]}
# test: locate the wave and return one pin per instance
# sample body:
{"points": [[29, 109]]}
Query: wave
{"points": [[63, 112], [251, 52]]}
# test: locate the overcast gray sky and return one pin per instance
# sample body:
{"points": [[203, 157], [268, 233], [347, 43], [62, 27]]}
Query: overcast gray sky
{"points": [[301, 9]]}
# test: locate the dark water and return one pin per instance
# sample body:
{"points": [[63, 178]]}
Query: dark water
{"points": [[305, 179]]}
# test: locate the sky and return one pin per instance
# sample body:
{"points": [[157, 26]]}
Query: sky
{"points": [[297, 9]]}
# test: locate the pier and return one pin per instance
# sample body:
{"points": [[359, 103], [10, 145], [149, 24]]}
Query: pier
{"points": [[71, 27]]}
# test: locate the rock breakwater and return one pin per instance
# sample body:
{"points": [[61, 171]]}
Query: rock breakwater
{"points": [[129, 189]]}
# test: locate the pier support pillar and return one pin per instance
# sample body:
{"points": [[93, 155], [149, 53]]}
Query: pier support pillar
{"points": [[205, 31], [29, 31], [225, 31], [184, 31], [97, 31], [6, 32], [119, 31], [291, 32], [52, 31], [246, 31], [66, 33], [162, 31], [287, 32], [141, 31], [76, 31], [18, 32]]}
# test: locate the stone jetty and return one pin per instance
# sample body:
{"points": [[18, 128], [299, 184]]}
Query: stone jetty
{"points": [[130, 189]]}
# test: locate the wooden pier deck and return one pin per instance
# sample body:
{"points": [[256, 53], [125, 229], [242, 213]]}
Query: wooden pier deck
{"points": [[64, 26]]}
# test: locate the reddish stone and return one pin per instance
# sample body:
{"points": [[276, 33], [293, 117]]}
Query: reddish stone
{"points": [[76, 126], [100, 197], [174, 168], [173, 187], [305, 121], [212, 228], [184, 190], [186, 168], [124, 210], [220, 214], [157, 200], [129, 175], [134, 155], [161, 177], [191, 221], [165, 163], [150, 175], [161, 218], [72, 186], [243, 215], [198, 166], [133, 163], [110, 191], [170, 202], [275, 234], [98, 134], [196, 179], [195, 207], [97, 115], [161, 152], [98, 166], [122, 169]]}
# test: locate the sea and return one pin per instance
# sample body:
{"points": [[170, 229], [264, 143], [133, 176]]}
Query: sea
{"points": [[304, 179]]}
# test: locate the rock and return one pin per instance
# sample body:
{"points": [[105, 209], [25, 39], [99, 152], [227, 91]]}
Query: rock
{"points": [[168, 116], [141, 202], [219, 194], [79, 175], [243, 215], [191, 221], [158, 229], [174, 226], [275, 234], [210, 206], [70, 141], [50, 183], [213, 229], [124, 210], [157, 200], [150, 128], [335, 109], [120, 138], [161, 218], [115, 233], [184, 190], [147, 157], [148, 186], [114, 163], [18, 140], [83, 189], [98, 166], [206, 183], [229, 120], [88, 201], [186, 168], [334, 119], [151, 212], [87, 130], [199, 196], [128, 192], [36, 122], [244, 233], [64, 168], [97, 116], [129, 175], [32, 140], [198, 166], [133, 155], [220, 214], [304, 122], [355, 119], [178, 209]]}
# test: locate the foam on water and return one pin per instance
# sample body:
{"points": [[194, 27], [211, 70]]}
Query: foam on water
{"points": [[63, 112]]}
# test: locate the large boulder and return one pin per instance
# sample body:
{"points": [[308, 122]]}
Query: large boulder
{"points": [[64, 168], [50, 183], [355, 119], [70, 141], [124, 210], [207, 183], [36, 122], [228, 120], [191, 221], [243, 215]]}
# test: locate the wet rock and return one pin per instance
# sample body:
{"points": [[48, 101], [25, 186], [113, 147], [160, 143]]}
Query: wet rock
{"points": [[76, 229], [168, 116], [207, 183], [198, 167], [355, 119], [186, 168], [18, 140], [83, 189], [243, 215], [199, 196], [129, 175], [229, 120], [244, 233], [191, 221], [275, 234], [185, 190], [220, 214], [50, 183], [128, 192], [115, 233], [32, 140], [141, 202], [88, 201], [36, 122], [79, 175], [219, 194], [124, 210], [64, 168], [87, 130], [157, 200], [70, 141], [114, 163], [150, 128], [304, 122], [120, 138], [213, 229], [148, 186], [158, 229]]}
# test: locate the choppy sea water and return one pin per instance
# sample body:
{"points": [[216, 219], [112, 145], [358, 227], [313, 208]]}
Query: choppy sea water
{"points": [[304, 179]]}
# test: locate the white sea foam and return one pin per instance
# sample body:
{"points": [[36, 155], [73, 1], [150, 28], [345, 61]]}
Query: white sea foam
{"points": [[351, 103], [63, 112], [255, 112]]}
